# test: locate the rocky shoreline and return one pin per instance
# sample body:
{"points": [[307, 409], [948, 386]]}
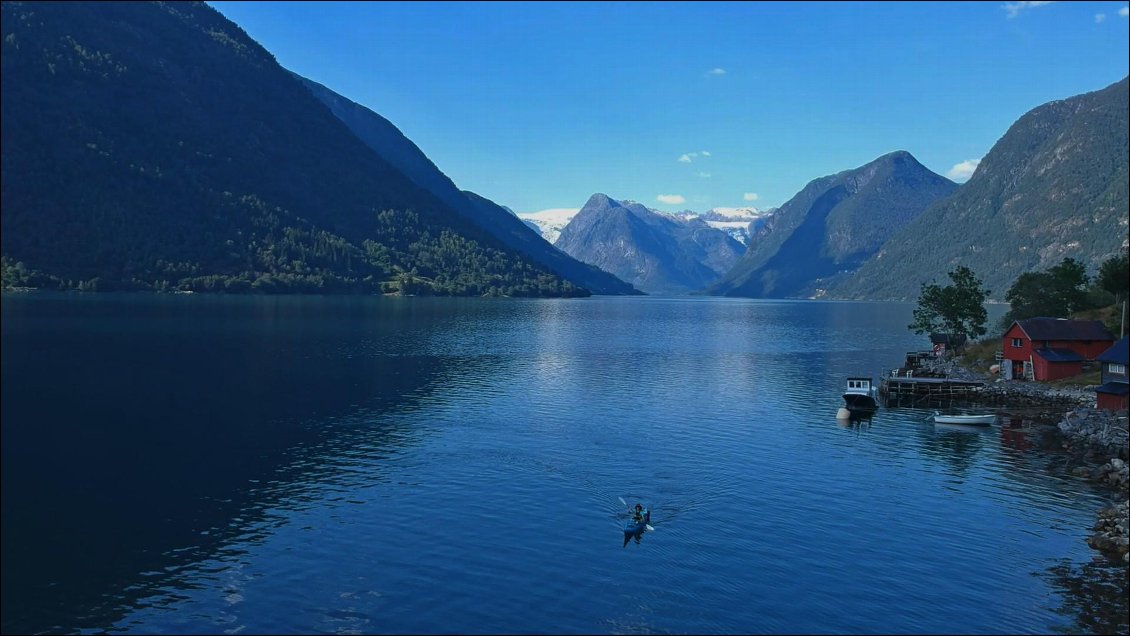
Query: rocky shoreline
{"points": [[1095, 442], [1098, 439]]}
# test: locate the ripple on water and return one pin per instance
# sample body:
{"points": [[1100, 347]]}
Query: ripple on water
{"points": [[442, 466]]}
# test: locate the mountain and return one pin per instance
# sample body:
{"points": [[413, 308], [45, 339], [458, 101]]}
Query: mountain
{"points": [[831, 227], [1054, 186], [740, 223], [387, 141], [156, 146], [656, 252], [549, 223]]}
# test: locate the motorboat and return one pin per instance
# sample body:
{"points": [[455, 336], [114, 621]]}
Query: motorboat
{"points": [[860, 395]]}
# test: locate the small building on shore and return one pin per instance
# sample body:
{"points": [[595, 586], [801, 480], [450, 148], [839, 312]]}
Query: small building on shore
{"points": [[1045, 349], [1112, 393], [944, 342]]}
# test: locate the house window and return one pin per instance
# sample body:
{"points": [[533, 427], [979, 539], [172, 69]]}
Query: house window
{"points": [[1120, 369], [1017, 343]]}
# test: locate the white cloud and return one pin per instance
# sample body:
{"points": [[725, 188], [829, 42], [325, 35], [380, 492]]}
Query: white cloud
{"points": [[961, 172], [1014, 8], [1124, 11], [1099, 17], [690, 156], [704, 175], [671, 199], [686, 158], [750, 196], [716, 71]]}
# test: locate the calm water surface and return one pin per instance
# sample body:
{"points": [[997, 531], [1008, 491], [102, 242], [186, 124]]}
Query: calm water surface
{"points": [[178, 464]]}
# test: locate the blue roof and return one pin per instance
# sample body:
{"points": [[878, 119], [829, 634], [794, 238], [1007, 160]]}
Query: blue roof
{"points": [[1113, 388], [1058, 355], [1118, 352]]}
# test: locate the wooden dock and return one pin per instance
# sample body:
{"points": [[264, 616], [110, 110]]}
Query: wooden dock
{"points": [[899, 387]]}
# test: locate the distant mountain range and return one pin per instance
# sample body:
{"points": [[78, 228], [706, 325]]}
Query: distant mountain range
{"points": [[1054, 186], [549, 223], [831, 227], [654, 251], [739, 223]]}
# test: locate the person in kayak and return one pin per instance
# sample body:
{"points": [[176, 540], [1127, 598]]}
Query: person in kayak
{"points": [[637, 514]]}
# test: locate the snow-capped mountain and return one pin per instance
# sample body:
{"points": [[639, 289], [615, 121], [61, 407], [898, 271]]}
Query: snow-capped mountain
{"points": [[549, 223], [740, 223], [656, 252]]}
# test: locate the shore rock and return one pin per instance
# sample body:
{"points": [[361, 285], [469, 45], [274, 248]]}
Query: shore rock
{"points": [[1035, 393], [1100, 437]]}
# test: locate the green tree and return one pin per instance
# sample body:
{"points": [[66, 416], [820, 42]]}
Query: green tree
{"points": [[1114, 276], [1071, 281], [956, 309], [1056, 292]]}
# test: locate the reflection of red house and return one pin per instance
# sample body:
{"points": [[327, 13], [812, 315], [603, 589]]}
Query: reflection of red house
{"points": [[1051, 348]]}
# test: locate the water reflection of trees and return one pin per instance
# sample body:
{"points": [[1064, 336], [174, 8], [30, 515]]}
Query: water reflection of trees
{"points": [[1094, 597], [131, 445]]}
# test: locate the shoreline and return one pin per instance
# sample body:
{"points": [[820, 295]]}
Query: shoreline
{"points": [[1095, 443]]}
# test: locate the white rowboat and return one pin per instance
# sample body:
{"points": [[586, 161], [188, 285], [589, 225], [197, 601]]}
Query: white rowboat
{"points": [[972, 420]]}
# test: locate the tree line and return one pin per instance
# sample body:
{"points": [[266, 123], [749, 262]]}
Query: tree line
{"points": [[1057, 292]]}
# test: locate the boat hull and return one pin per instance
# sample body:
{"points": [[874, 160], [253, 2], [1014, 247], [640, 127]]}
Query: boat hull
{"points": [[857, 402], [967, 420], [631, 527]]}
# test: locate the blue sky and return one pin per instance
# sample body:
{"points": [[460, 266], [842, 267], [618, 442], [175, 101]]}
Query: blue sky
{"points": [[691, 105]]}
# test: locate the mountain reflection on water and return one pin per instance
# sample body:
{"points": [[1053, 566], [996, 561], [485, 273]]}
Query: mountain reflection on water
{"points": [[423, 465], [166, 426]]}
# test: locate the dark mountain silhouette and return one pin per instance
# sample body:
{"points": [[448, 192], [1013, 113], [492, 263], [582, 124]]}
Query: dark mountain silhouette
{"points": [[391, 144], [1054, 186], [831, 227], [157, 146]]}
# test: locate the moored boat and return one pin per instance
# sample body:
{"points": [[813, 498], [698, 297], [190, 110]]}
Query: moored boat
{"points": [[860, 395], [971, 419]]}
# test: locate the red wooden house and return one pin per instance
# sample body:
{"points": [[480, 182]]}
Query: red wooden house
{"points": [[1112, 393], [1051, 348]]}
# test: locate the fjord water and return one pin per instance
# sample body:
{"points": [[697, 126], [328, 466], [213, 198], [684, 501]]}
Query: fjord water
{"points": [[187, 464]]}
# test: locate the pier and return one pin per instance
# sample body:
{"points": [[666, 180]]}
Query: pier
{"points": [[910, 386]]}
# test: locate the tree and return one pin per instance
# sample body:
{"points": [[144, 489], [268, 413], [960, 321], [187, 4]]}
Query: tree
{"points": [[1070, 278], [1056, 292], [1114, 276], [956, 309]]}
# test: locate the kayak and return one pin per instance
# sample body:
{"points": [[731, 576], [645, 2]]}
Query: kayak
{"points": [[633, 527]]}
